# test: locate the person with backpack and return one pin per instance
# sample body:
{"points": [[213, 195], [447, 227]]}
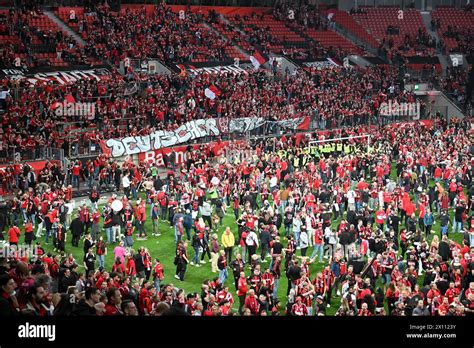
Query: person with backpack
{"points": [[204, 236]]}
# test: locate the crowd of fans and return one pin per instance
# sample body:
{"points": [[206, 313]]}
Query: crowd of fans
{"points": [[333, 97], [376, 238], [169, 36]]}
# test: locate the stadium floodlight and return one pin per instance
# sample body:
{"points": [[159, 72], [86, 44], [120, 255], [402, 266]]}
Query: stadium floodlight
{"points": [[315, 143]]}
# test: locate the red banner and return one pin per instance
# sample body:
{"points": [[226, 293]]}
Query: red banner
{"points": [[157, 156]]}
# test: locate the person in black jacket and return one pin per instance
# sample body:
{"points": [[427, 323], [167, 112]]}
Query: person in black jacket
{"points": [[140, 264], [411, 223], [444, 220], [89, 262], [237, 266], [394, 221], [443, 248], [66, 281], [264, 243], [344, 240], [293, 273], [117, 222], [88, 243], [86, 306], [458, 222], [76, 229]]}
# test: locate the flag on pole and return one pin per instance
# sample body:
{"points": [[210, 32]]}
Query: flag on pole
{"points": [[331, 12], [212, 92], [257, 59]]}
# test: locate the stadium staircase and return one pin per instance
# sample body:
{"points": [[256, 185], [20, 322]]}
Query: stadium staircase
{"points": [[231, 50], [379, 19], [244, 47], [329, 38], [347, 26], [287, 38], [427, 21], [65, 28]]}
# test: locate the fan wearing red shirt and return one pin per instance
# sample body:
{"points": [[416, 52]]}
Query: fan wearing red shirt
{"points": [[252, 303], [443, 307], [13, 235], [438, 172], [242, 291], [364, 311], [114, 299], [380, 217], [29, 233], [470, 290], [130, 269], [432, 293], [158, 274], [224, 296], [76, 170], [299, 308]]}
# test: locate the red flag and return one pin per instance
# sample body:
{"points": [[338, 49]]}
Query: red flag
{"points": [[54, 106], [304, 125], [212, 92], [104, 148], [69, 98]]}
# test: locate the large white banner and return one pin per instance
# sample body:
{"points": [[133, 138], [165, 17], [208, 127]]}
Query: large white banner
{"points": [[190, 131], [62, 77]]}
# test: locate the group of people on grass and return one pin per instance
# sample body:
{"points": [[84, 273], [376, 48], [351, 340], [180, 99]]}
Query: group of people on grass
{"points": [[350, 229]]}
